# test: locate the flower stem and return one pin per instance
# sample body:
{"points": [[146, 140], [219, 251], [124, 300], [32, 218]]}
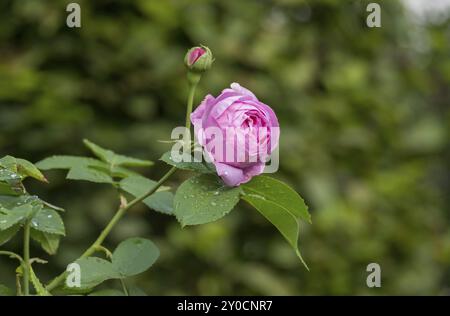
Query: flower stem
{"points": [[26, 259], [190, 103], [193, 79], [120, 212], [11, 255], [124, 287], [18, 280], [18, 286]]}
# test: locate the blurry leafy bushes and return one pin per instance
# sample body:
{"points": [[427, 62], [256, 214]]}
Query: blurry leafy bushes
{"points": [[365, 133]]}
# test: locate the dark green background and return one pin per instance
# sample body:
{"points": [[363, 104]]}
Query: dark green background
{"points": [[364, 116]]}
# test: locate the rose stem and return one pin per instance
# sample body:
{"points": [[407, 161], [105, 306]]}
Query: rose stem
{"points": [[193, 79]]}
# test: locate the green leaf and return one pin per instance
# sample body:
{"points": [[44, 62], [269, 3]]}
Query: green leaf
{"points": [[131, 257], [9, 202], [280, 217], [9, 162], [134, 256], [94, 271], [107, 292], [7, 234], [193, 166], [10, 179], [80, 168], [279, 193], [6, 291], [89, 174], [116, 171], [135, 291], [115, 159], [17, 215], [281, 205], [18, 169], [139, 185], [9, 176], [159, 201], [203, 199], [132, 290], [49, 242], [68, 162], [75, 162], [7, 189], [27, 169], [47, 220]]}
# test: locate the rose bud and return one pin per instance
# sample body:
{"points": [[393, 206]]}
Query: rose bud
{"points": [[237, 132], [198, 59]]}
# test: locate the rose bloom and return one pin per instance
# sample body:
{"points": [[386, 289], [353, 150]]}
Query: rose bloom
{"points": [[238, 133]]}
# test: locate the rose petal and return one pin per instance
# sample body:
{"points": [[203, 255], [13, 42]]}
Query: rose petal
{"points": [[230, 175], [241, 90], [196, 54], [238, 109]]}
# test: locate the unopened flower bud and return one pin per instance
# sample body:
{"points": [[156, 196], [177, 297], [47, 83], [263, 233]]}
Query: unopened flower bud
{"points": [[198, 59]]}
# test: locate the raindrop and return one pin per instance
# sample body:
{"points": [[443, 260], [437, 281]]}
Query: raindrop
{"points": [[34, 223], [216, 193], [257, 196], [213, 203], [49, 216]]}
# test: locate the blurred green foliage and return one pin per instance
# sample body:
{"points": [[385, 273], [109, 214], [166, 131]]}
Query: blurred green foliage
{"points": [[364, 116]]}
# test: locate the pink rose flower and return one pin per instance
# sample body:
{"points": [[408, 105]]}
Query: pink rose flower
{"points": [[238, 133]]}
